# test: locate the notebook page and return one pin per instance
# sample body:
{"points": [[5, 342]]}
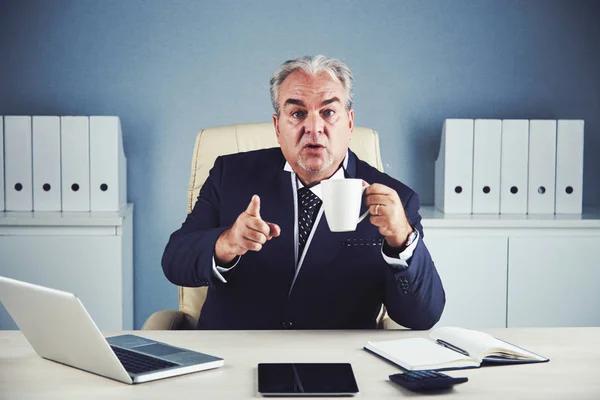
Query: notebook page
{"points": [[479, 344], [474, 342], [419, 353]]}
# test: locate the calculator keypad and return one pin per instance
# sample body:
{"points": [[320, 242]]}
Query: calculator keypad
{"points": [[425, 380]]}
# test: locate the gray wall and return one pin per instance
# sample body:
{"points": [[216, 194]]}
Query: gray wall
{"points": [[170, 68]]}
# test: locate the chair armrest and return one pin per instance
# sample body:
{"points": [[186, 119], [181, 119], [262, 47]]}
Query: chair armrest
{"points": [[167, 320], [388, 323]]}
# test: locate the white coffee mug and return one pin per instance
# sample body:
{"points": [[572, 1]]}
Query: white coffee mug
{"points": [[342, 199]]}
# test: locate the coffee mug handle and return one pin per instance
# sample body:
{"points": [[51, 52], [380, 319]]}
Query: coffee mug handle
{"points": [[366, 212]]}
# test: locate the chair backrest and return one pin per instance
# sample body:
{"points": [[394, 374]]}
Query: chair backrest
{"points": [[217, 141]]}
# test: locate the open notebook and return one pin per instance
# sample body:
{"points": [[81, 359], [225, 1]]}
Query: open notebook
{"points": [[451, 348]]}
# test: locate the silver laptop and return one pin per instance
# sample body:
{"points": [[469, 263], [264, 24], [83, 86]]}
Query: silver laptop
{"points": [[60, 329]]}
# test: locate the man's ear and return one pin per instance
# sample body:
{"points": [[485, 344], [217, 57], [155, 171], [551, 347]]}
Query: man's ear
{"points": [[276, 125], [351, 120]]}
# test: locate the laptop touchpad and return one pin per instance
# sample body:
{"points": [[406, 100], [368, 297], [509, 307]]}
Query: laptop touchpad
{"points": [[159, 350]]}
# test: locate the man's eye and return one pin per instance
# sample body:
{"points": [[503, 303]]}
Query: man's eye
{"points": [[328, 113], [298, 114]]}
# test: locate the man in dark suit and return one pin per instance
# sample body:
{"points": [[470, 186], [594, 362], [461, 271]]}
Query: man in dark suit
{"points": [[266, 270]]}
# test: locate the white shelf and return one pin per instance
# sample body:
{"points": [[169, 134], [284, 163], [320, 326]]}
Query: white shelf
{"points": [[73, 218], [434, 218], [88, 254], [523, 270]]}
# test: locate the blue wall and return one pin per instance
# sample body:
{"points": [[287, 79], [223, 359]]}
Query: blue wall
{"points": [[170, 68]]}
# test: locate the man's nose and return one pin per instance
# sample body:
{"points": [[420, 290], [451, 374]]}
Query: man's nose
{"points": [[314, 124]]}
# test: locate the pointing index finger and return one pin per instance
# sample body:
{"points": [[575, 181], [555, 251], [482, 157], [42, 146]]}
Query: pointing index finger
{"points": [[254, 206]]}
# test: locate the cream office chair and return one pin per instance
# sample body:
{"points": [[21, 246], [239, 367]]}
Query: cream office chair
{"points": [[213, 142]]}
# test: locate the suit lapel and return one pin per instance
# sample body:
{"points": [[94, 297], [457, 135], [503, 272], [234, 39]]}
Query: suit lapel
{"points": [[324, 244], [277, 207], [323, 247], [350, 171]]}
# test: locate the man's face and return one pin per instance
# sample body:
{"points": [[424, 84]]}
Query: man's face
{"points": [[314, 127]]}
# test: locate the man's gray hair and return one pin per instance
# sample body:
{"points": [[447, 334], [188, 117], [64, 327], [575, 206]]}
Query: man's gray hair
{"points": [[313, 65]]}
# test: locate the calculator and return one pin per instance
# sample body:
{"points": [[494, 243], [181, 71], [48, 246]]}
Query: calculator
{"points": [[425, 380]]}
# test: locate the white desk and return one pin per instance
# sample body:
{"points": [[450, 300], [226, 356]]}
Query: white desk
{"points": [[572, 373]]}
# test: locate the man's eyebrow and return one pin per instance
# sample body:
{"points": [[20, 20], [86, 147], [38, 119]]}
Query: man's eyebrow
{"points": [[329, 101], [294, 102]]}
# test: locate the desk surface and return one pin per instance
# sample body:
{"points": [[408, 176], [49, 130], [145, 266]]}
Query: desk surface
{"points": [[573, 370]]}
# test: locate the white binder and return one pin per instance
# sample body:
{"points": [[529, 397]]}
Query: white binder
{"points": [[17, 163], [569, 166], [108, 169], [46, 163], [454, 167], [75, 168], [514, 166], [1, 163], [542, 163], [487, 145]]}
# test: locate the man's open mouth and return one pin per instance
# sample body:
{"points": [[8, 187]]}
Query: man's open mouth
{"points": [[314, 146]]}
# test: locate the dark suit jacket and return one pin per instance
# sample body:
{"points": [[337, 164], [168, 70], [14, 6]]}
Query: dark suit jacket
{"points": [[344, 278]]}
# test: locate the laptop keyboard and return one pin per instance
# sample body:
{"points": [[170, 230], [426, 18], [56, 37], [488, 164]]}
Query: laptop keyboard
{"points": [[137, 363]]}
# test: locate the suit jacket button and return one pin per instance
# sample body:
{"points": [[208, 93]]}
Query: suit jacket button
{"points": [[287, 324]]}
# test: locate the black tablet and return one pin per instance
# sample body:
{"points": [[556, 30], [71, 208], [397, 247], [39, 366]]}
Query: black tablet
{"points": [[306, 379]]}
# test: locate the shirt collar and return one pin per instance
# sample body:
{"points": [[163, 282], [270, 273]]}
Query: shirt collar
{"points": [[316, 189]]}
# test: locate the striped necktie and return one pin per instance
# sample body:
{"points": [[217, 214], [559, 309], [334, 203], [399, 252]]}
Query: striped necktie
{"points": [[309, 204]]}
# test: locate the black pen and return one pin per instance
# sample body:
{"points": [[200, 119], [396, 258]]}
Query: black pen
{"points": [[452, 347]]}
